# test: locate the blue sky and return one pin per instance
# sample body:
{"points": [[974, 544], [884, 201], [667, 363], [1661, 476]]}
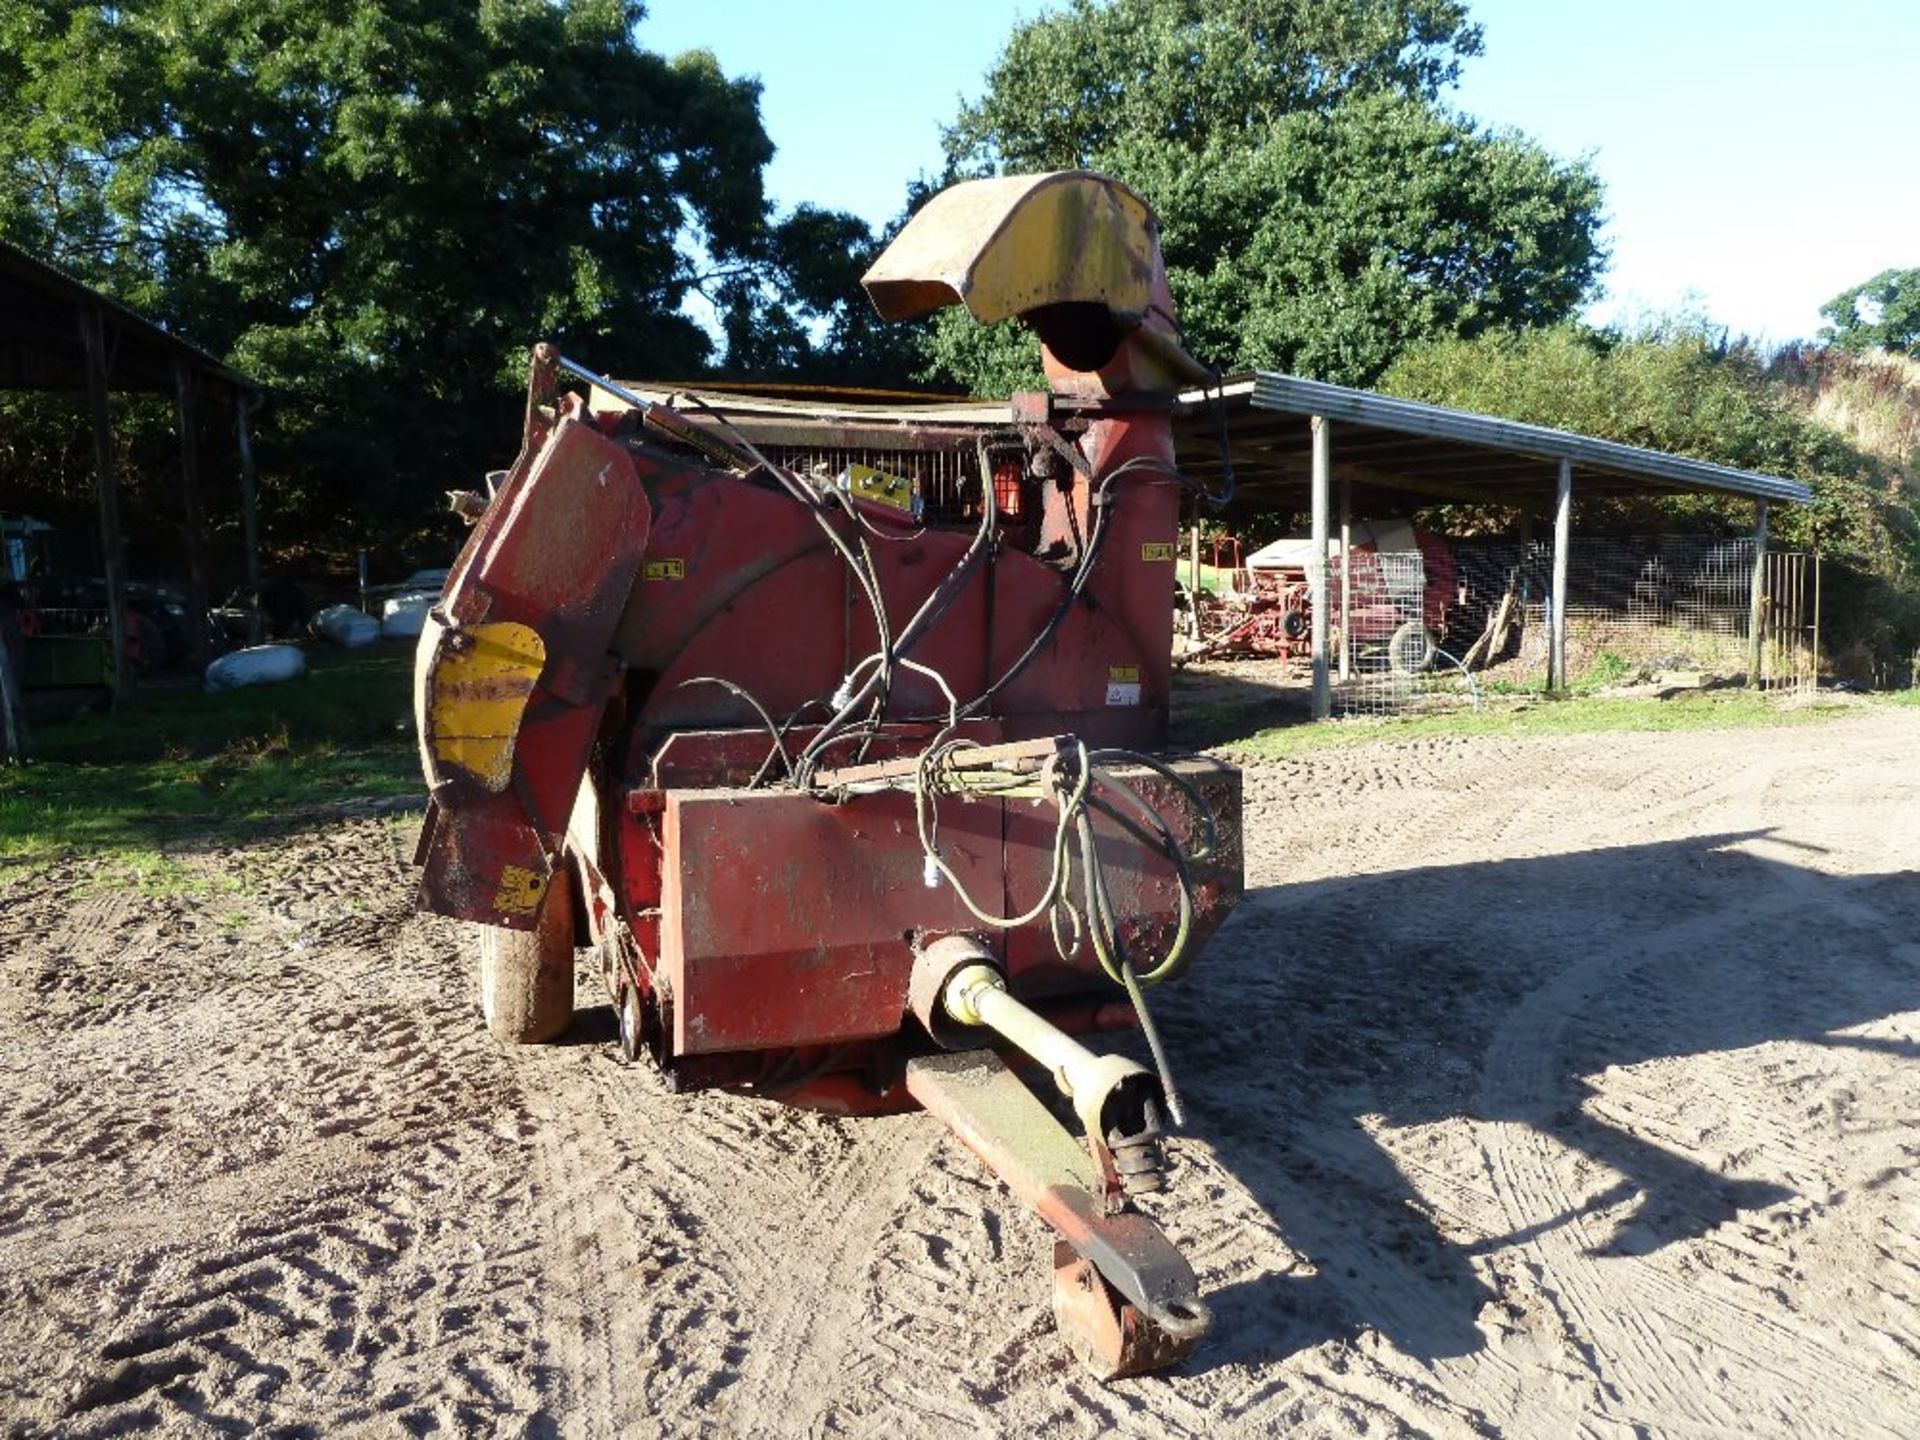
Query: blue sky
{"points": [[1759, 157]]}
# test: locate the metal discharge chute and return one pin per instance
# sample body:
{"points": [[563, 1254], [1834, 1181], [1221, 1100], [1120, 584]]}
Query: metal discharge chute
{"points": [[839, 731]]}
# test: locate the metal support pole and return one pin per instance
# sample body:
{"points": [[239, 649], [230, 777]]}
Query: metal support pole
{"points": [[112, 556], [186, 397], [1757, 595], [1193, 565], [1816, 619], [250, 518], [1317, 565], [1557, 612], [1346, 576]]}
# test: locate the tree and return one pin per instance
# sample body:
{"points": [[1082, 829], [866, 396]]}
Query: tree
{"points": [[1320, 210], [1881, 313], [376, 207], [1680, 389]]}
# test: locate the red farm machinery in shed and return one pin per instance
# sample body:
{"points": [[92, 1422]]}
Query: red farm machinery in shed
{"points": [[841, 736]]}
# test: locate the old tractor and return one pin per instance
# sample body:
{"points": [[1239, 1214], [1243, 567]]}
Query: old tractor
{"points": [[840, 735]]}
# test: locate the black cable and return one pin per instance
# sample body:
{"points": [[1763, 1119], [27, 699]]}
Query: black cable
{"points": [[779, 742]]}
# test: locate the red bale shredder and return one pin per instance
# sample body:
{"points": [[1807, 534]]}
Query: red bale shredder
{"points": [[839, 733]]}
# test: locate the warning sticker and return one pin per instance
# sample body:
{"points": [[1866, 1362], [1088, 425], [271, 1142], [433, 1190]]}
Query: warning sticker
{"points": [[1157, 550], [1123, 685], [665, 570]]}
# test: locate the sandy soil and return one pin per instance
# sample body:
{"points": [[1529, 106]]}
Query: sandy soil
{"points": [[1542, 1088]]}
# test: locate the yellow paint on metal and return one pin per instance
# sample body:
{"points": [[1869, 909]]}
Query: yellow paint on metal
{"points": [[520, 891], [1004, 246], [477, 689], [1124, 674], [1156, 550], [675, 569], [866, 483]]}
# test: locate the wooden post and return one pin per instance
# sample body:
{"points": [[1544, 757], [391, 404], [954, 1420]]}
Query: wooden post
{"points": [[1193, 567], [1317, 565], [1757, 595], [1557, 613], [1346, 576], [186, 396], [16, 749], [249, 514], [112, 556]]}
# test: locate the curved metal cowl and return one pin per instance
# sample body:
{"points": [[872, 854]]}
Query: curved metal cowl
{"points": [[1006, 246]]}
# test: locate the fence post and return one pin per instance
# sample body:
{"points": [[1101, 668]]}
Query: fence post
{"points": [[1346, 576], [1756, 598], [1317, 566]]}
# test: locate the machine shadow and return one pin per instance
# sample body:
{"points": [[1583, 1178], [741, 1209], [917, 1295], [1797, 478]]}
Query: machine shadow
{"points": [[1218, 707], [1328, 1010]]}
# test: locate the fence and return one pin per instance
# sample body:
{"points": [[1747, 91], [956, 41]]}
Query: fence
{"points": [[1443, 627]]}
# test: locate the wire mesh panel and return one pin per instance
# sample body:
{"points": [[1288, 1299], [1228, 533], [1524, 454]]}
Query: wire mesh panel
{"points": [[1637, 607], [1388, 658]]}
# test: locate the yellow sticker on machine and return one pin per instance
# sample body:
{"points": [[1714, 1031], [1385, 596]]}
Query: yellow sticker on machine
{"points": [[1123, 685], [1124, 673], [1157, 550], [673, 569], [520, 891]]}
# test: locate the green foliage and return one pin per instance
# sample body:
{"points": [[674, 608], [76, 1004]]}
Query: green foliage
{"points": [[1882, 313], [1075, 85], [1320, 210], [375, 208], [1684, 392], [1609, 667]]}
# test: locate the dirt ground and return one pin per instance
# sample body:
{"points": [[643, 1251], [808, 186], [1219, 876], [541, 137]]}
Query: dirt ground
{"points": [[1545, 1087]]}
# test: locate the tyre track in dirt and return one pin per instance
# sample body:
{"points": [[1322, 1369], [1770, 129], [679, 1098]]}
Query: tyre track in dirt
{"points": [[1642, 1327], [1516, 1111], [270, 1191]]}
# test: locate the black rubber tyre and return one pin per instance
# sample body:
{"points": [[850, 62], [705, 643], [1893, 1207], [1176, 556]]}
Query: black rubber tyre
{"points": [[526, 976], [1411, 649], [632, 1020]]}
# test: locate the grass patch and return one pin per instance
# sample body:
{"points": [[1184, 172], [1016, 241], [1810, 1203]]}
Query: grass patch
{"points": [[1726, 710], [176, 764]]}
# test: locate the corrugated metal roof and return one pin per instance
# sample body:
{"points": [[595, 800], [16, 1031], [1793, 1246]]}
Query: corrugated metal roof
{"points": [[40, 341], [1418, 453]]}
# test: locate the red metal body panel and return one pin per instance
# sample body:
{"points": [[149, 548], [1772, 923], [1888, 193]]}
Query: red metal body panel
{"points": [[786, 921], [558, 553]]}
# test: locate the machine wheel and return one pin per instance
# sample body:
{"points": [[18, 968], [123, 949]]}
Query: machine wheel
{"points": [[526, 976], [633, 1033], [1411, 649]]}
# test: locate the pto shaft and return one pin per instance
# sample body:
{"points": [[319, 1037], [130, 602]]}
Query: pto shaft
{"points": [[1119, 1103]]}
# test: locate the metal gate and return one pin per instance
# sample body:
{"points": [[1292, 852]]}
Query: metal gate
{"points": [[1788, 610]]}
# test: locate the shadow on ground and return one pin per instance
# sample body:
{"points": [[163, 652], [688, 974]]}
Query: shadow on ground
{"points": [[1492, 992]]}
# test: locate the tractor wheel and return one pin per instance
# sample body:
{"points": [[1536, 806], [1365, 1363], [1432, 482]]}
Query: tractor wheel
{"points": [[526, 976], [1411, 649]]}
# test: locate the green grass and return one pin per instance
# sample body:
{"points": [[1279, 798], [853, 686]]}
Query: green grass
{"points": [[177, 767], [1708, 710]]}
